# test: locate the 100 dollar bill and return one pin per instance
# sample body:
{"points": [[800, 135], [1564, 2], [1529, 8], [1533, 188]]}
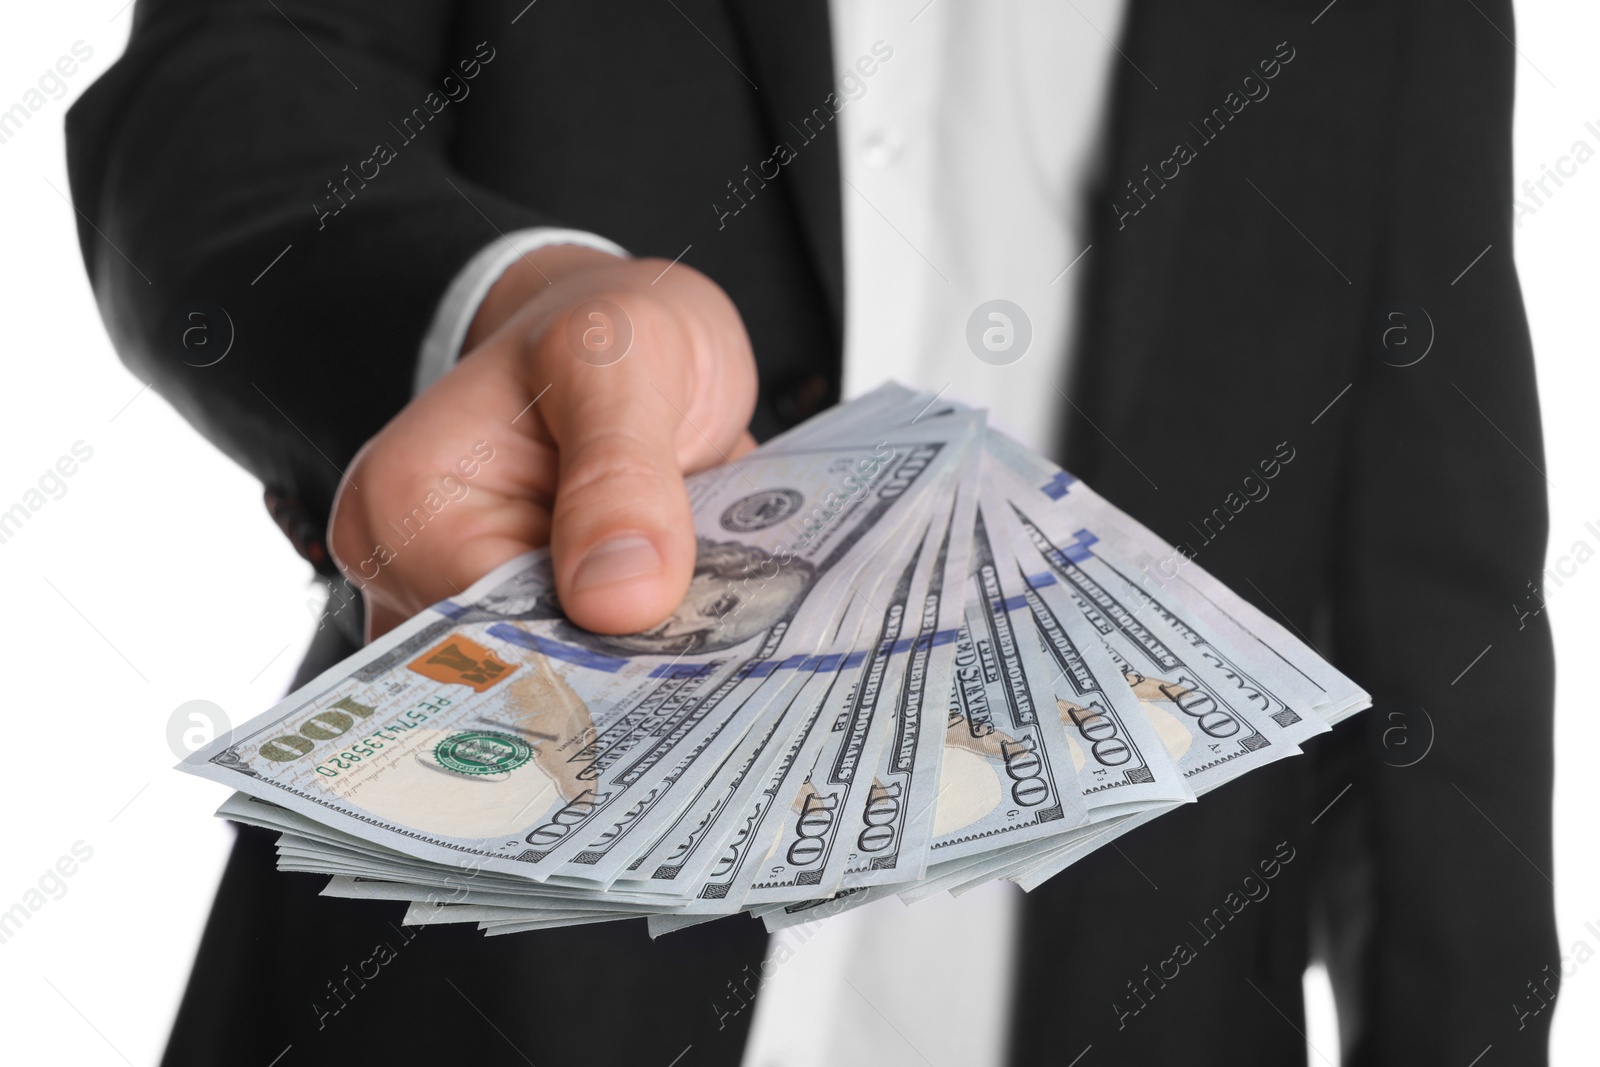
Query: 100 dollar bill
{"points": [[491, 727]]}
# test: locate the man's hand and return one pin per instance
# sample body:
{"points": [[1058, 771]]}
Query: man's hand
{"points": [[541, 434]]}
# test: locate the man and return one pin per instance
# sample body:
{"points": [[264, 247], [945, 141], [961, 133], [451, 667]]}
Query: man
{"points": [[370, 191]]}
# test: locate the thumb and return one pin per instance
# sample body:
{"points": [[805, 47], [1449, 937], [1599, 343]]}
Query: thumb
{"points": [[622, 537]]}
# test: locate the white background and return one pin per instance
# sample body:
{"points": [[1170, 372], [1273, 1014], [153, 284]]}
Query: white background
{"points": [[157, 578]]}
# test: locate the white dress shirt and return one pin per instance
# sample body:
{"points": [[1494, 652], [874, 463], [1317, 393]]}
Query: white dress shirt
{"points": [[965, 141], [963, 160], [963, 163]]}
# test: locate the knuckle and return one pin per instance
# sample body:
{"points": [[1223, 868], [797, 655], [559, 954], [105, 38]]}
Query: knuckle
{"points": [[607, 460]]}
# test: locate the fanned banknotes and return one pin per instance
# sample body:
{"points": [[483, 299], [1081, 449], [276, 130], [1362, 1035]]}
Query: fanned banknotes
{"points": [[914, 657]]}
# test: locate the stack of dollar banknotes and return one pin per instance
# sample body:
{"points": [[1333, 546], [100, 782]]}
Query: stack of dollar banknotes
{"points": [[914, 657]]}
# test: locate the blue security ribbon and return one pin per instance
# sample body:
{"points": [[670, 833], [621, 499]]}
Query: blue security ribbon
{"points": [[516, 635]]}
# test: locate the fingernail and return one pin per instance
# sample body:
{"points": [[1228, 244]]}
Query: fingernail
{"points": [[617, 560]]}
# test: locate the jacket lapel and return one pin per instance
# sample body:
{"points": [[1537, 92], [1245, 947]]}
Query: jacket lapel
{"points": [[789, 47], [1133, 276]]}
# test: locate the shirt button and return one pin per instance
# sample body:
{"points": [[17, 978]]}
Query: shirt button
{"points": [[881, 148]]}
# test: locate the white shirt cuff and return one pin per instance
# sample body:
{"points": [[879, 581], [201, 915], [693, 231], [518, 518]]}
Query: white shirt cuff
{"points": [[441, 345]]}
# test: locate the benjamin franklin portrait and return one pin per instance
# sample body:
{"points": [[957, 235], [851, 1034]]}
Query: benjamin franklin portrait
{"points": [[737, 592]]}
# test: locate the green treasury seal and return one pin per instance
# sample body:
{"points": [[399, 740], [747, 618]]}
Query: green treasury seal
{"points": [[482, 752]]}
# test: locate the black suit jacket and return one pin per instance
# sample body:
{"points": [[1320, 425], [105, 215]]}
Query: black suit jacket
{"points": [[1253, 242]]}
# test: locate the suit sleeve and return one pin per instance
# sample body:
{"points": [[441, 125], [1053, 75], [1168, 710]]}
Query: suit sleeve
{"points": [[288, 163], [1445, 527]]}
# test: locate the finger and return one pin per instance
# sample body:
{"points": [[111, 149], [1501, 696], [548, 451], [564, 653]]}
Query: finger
{"points": [[743, 447], [423, 515], [380, 619], [622, 536]]}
